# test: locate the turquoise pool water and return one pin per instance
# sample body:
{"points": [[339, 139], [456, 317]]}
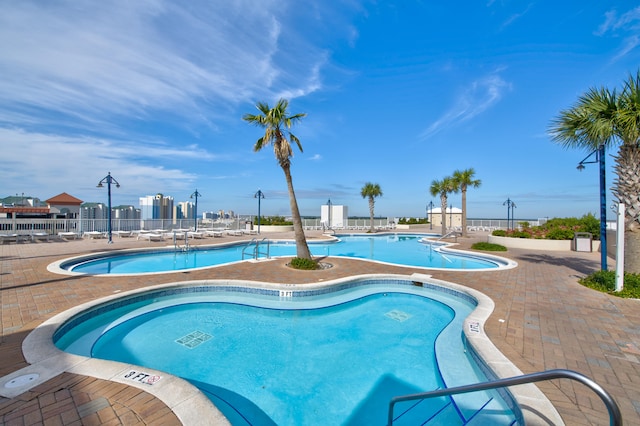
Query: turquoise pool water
{"points": [[400, 249], [317, 357]]}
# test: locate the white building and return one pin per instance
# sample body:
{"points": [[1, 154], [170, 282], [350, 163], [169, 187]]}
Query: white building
{"points": [[453, 218], [334, 216]]}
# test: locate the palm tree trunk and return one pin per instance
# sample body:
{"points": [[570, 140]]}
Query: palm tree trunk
{"points": [[302, 249], [443, 214], [464, 213], [632, 250], [371, 214]]}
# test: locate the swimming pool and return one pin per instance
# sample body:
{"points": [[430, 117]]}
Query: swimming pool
{"points": [[398, 249], [324, 355]]}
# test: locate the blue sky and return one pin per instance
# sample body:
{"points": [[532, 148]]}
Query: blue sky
{"points": [[397, 93]]}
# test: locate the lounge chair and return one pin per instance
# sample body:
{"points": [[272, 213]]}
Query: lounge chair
{"points": [[195, 234], [68, 235], [93, 234], [8, 237], [150, 236]]}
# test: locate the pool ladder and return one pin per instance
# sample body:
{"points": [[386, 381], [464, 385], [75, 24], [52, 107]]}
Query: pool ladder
{"points": [[615, 416], [255, 253], [178, 247]]}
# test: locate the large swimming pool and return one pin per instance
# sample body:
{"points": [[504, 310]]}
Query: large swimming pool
{"points": [[328, 355], [399, 249]]}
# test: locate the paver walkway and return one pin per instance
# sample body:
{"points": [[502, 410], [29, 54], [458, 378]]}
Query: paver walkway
{"points": [[543, 320]]}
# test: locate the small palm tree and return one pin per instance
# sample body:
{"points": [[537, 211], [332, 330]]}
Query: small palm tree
{"points": [[443, 188], [464, 179], [604, 117], [371, 191], [276, 121]]}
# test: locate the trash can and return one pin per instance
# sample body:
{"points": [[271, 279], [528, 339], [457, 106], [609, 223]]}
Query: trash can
{"points": [[248, 225], [582, 241]]}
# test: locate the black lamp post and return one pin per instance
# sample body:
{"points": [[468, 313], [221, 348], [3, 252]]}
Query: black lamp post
{"points": [[109, 180], [430, 207], [195, 212], [451, 215], [510, 206], [599, 158], [259, 195], [329, 205]]}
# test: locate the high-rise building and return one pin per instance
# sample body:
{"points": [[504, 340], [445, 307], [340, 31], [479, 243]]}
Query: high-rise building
{"points": [[156, 207]]}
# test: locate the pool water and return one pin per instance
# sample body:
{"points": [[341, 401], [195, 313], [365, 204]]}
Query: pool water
{"points": [[325, 359], [409, 250]]}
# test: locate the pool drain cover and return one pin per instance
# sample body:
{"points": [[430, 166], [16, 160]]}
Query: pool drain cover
{"points": [[21, 381], [398, 315], [193, 339]]}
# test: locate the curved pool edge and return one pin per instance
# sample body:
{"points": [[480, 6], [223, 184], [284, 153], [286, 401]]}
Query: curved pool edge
{"points": [[57, 267], [190, 405]]}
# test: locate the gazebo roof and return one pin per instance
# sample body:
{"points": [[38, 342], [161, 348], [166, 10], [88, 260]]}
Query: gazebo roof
{"points": [[64, 199]]}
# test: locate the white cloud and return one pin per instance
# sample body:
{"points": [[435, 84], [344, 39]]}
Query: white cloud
{"points": [[475, 99], [627, 25]]}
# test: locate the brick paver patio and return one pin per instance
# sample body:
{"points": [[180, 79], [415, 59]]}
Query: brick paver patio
{"points": [[543, 320]]}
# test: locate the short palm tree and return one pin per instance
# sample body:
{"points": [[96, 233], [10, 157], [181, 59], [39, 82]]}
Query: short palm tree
{"points": [[371, 191], [443, 188], [462, 180], [276, 121], [605, 117]]}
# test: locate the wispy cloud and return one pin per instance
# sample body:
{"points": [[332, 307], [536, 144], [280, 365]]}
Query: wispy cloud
{"points": [[514, 17], [316, 157], [626, 25], [87, 61], [479, 96]]}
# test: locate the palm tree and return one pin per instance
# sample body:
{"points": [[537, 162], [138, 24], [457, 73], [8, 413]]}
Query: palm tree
{"points": [[276, 121], [371, 190], [462, 180], [604, 117], [443, 188]]}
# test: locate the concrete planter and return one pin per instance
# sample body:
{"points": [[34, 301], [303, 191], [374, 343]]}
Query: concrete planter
{"points": [[273, 228], [533, 244], [406, 227]]}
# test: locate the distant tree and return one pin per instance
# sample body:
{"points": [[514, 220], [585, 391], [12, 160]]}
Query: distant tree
{"points": [[443, 188], [462, 180], [276, 121], [604, 117], [371, 191]]}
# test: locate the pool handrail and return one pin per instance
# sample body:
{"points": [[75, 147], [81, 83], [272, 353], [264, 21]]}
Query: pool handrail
{"points": [[615, 416]]}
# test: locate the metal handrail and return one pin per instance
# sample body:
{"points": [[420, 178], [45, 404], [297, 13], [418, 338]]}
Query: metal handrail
{"points": [[615, 417], [257, 249], [452, 232], [249, 244]]}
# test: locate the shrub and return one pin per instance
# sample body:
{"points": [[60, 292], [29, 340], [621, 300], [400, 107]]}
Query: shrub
{"points": [[272, 220], [519, 234], [560, 234], [412, 221], [605, 281], [306, 264], [499, 233], [488, 247]]}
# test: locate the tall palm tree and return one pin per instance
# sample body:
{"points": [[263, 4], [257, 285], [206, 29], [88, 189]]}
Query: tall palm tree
{"points": [[276, 121], [462, 180], [443, 188], [371, 191], [605, 117]]}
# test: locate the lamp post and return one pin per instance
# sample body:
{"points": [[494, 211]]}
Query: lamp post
{"points": [[259, 195], [329, 205], [599, 158], [195, 213], [451, 215], [430, 207], [109, 180], [510, 206]]}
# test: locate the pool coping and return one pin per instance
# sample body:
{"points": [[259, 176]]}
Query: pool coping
{"points": [[190, 405]]}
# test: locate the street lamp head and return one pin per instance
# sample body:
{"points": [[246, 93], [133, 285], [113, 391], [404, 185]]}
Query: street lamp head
{"points": [[99, 185], [580, 167], [117, 185]]}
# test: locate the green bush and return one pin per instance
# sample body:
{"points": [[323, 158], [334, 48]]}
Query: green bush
{"points": [[560, 234], [519, 234], [488, 247], [306, 264], [272, 220], [605, 281], [411, 221], [499, 233]]}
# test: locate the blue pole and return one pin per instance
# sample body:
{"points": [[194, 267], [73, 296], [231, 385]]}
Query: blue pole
{"points": [[109, 207], [603, 210]]}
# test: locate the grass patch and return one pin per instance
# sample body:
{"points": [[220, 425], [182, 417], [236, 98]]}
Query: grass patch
{"points": [[605, 282], [488, 247]]}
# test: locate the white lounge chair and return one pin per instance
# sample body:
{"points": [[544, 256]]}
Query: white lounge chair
{"points": [[150, 236], [68, 235]]}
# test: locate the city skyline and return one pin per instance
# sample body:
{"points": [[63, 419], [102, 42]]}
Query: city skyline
{"points": [[396, 93]]}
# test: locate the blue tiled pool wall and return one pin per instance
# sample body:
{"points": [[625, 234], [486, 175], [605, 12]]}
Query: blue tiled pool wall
{"points": [[148, 296], [505, 394]]}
